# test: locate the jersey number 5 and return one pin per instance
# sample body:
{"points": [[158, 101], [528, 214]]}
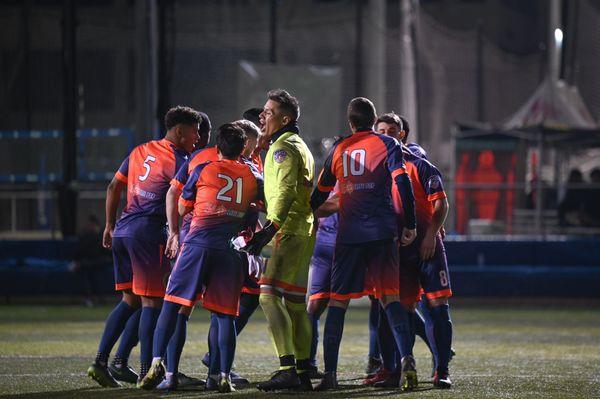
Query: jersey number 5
{"points": [[356, 159], [146, 165], [221, 195]]}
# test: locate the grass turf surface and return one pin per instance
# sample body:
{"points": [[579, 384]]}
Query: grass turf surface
{"points": [[502, 352]]}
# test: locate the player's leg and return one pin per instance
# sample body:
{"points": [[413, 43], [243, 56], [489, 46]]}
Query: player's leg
{"points": [[389, 374], [173, 378], [315, 308], [347, 281], [226, 343], [248, 304], [295, 303], [119, 367], [319, 291], [183, 286], [214, 363], [280, 275], [223, 286], [435, 279], [374, 358], [400, 316], [117, 319]]}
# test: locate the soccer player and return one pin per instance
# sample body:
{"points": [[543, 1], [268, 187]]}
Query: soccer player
{"points": [[289, 171], [426, 254], [364, 165], [247, 303], [138, 238], [220, 194]]}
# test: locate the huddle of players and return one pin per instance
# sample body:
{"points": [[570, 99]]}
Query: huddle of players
{"points": [[223, 190]]}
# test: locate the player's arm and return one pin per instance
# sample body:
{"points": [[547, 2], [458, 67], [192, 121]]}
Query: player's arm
{"points": [[396, 167], [325, 183], [329, 207], [188, 194], [113, 197], [435, 194], [172, 210]]}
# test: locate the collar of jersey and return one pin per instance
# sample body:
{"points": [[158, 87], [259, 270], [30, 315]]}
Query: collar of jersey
{"points": [[364, 131], [167, 143], [289, 128]]}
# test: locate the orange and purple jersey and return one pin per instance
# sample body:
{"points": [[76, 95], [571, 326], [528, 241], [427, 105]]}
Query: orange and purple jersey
{"points": [[197, 158], [427, 187], [364, 166], [221, 193], [147, 172]]}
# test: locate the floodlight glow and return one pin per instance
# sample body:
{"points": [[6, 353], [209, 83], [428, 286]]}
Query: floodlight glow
{"points": [[558, 36]]}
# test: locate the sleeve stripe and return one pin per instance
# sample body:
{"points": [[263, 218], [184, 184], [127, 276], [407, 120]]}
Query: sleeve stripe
{"points": [[397, 172], [121, 177], [325, 189], [186, 203], [436, 196], [177, 184]]}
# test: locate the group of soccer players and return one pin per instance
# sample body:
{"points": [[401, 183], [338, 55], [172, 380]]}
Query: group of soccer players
{"points": [[373, 225]]}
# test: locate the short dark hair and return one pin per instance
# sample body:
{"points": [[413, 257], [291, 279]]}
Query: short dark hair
{"points": [[287, 102], [249, 128], [231, 140], [390, 118], [405, 125], [361, 113], [399, 120], [253, 115], [205, 125], [181, 114]]}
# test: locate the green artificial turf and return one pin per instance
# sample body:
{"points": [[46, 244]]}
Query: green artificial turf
{"points": [[502, 352]]}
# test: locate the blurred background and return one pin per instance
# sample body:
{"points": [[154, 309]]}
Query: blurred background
{"points": [[502, 94]]}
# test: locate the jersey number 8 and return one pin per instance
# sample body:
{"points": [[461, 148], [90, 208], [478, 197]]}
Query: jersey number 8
{"points": [[356, 161], [221, 195]]}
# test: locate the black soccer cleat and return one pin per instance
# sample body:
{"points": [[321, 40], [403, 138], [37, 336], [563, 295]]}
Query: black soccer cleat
{"points": [[328, 382], [373, 366], [124, 373], [102, 376], [281, 379], [211, 384], [392, 381], [305, 383], [442, 381], [314, 373], [237, 379]]}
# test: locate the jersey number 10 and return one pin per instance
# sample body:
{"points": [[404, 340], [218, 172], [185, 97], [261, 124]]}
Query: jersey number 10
{"points": [[356, 159], [221, 195]]}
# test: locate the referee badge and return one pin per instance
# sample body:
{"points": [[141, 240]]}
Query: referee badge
{"points": [[279, 156]]}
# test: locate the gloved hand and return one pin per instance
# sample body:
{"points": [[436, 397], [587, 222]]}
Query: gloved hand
{"points": [[240, 241], [255, 266], [261, 238]]}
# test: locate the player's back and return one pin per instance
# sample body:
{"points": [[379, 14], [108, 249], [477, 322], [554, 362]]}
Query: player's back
{"points": [[147, 171], [427, 187], [363, 168], [224, 191]]}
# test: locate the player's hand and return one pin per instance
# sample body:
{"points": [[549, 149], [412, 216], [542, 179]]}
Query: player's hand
{"points": [[172, 246], [443, 232], [261, 238], [107, 237], [427, 249], [255, 266], [408, 236]]}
